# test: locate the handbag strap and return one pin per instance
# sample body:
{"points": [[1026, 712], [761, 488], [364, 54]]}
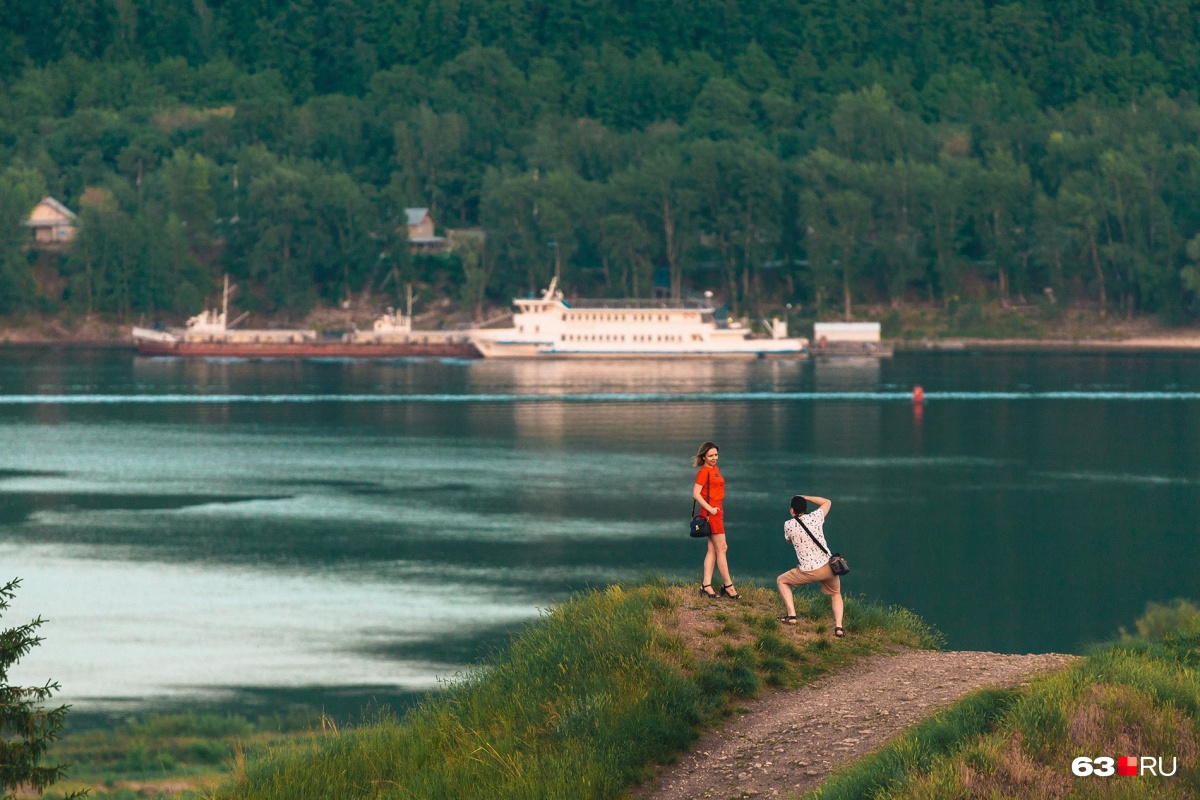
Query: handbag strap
{"points": [[707, 487], [824, 550]]}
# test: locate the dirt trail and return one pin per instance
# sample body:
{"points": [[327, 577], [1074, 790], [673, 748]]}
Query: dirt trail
{"points": [[790, 741]]}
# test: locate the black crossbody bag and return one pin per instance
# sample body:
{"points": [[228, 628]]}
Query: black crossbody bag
{"points": [[699, 527], [836, 562]]}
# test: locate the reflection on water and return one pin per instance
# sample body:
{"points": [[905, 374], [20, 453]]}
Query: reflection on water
{"points": [[846, 428], [124, 628], [226, 549], [572, 376], [846, 374]]}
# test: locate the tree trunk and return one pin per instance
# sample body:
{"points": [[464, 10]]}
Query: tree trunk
{"points": [[528, 261], [487, 269], [1099, 276], [1058, 271], [846, 290], [730, 272], [1001, 268], [365, 297], [672, 262]]}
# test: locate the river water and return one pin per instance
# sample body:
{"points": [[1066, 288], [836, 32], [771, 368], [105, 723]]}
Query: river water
{"points": [[237, 532]]}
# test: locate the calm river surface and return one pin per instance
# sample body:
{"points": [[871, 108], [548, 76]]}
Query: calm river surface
{"points": [[234, 531]]}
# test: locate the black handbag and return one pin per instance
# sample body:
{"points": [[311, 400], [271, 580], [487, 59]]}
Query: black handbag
{"points": [[699, 527], [836, 563]]}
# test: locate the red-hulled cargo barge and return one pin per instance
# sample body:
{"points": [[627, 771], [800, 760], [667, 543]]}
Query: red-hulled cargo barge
{"points": [[417, 345]]}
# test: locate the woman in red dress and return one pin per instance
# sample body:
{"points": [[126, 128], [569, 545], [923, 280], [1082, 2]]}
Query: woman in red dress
{"points": [[709, 492]]}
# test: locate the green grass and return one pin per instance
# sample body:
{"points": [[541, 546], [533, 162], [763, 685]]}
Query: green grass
{"points": [[582, 704], [914, 753], [1138, 696], [175, 755]]}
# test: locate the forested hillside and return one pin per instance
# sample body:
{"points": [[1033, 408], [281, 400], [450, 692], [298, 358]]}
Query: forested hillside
{"points": [[824, 153]]}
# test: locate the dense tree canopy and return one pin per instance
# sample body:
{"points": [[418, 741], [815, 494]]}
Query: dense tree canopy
{"points": [[818, 152]]}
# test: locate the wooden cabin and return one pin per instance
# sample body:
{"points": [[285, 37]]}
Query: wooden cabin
{"points": [[421, 238], [53, 223]]}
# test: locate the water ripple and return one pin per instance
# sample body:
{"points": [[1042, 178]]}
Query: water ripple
{"points": [[587, 397]]}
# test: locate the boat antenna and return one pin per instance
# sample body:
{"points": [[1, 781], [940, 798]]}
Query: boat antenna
{"points": [[225, 295], [550, 291]]}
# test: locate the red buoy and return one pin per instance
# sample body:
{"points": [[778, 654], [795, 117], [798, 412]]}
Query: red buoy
{"points": [[918, 395]]}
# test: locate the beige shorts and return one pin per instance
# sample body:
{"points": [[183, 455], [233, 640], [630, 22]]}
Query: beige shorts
{"points": [[830, 583]]}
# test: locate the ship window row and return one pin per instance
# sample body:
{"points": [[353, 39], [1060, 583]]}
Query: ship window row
{"points": [[613, 337], [580, 316]]}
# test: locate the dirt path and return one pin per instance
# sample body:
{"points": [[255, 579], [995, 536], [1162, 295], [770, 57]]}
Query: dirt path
{"points": [[790, 741]]}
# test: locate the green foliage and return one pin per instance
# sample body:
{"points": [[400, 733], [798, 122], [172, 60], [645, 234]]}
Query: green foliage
{"points": [[26, 728], [580, 705], [796, 152], [1162, 621], [169, 751]]}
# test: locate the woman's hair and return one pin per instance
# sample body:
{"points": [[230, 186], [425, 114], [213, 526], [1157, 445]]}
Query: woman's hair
{"points": [[698, 459], [799, 504]]}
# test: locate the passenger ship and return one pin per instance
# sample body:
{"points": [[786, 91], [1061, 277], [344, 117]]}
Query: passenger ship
{"points": [[549, 326]]}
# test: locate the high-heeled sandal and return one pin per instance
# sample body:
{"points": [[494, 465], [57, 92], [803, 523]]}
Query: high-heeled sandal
{"points": [[726, 593], [789, 619], [709, 595], [839, 631]]}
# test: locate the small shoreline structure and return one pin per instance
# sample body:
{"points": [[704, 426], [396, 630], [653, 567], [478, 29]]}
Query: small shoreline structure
{"points": [[850, 339], [209, 334], [551, 327]]}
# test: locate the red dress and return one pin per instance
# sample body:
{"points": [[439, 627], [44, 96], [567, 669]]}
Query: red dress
{"points": [[712, 489]]}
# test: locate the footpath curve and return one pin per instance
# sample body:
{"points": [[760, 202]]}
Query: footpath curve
{"points": [[789, 741]]}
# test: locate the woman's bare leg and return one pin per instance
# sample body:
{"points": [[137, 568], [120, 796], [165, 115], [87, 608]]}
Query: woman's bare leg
{"points": [[717, 542], [839, 609], [710, 560]]}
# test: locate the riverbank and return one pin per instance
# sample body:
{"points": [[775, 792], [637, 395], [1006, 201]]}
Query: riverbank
{"points": [[589, 701], [1165, 344], [975, 327], [582, 704]]}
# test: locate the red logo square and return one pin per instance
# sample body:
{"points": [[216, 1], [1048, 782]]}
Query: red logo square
{"points": [[1127, 765]]}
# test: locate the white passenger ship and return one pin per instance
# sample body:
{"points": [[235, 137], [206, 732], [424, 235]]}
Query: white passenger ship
{"points": [[550, 326]]}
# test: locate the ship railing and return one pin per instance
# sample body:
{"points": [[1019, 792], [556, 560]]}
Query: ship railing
{"points": [[620, 303]]}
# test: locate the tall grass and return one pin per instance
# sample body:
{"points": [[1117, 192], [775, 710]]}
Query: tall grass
{"points": [[579, 706]]}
